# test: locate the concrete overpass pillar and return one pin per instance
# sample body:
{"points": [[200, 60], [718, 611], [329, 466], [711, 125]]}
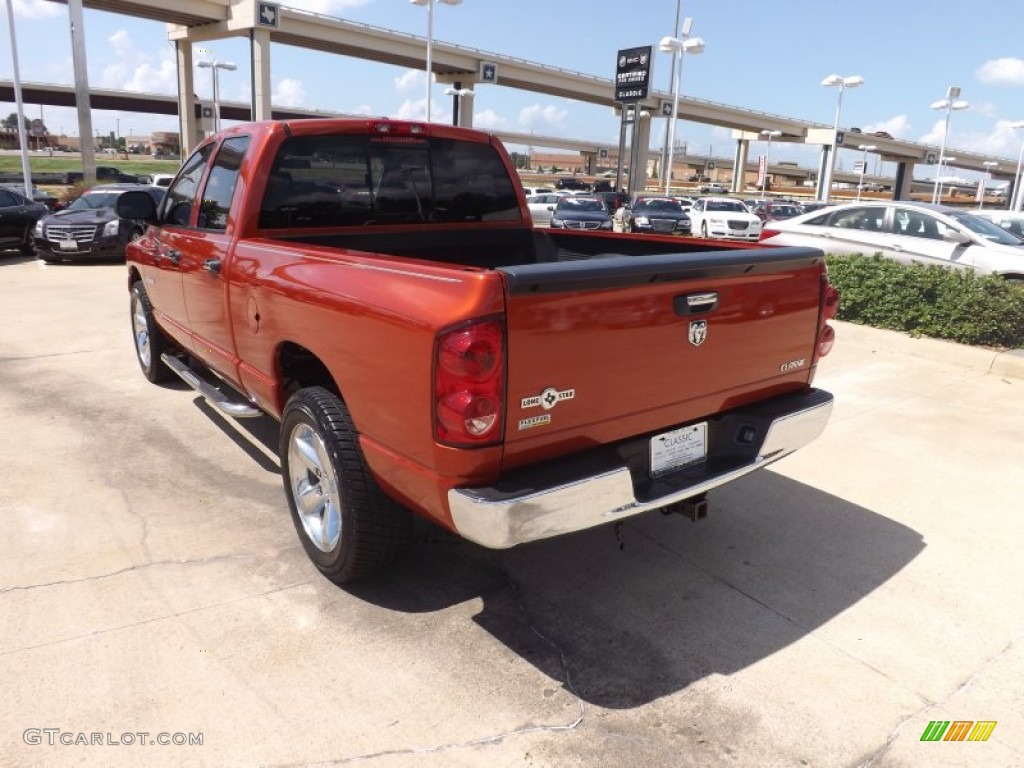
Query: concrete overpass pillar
{"points": [[820, 192], [465, 107], [188, 126], [904, 178], [739, 165], [259, 51]]}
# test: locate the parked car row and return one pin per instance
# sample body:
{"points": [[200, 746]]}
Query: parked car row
{"points": [[907, 231]]}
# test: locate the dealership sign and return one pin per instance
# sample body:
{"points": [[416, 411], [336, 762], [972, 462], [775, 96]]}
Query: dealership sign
{"points": [[633, 74]]}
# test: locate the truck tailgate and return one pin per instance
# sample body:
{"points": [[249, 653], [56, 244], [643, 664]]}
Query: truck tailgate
{"points": [[608, 348]]}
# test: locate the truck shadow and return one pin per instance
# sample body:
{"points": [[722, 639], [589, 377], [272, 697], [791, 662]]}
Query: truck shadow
{"points": [[633, 615]]}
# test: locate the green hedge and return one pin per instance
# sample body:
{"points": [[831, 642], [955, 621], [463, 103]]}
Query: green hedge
{"points": [[931, 301]]}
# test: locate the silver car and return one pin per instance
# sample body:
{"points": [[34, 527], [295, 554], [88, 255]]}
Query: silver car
{"points": [[542, 207], [905, 231]]}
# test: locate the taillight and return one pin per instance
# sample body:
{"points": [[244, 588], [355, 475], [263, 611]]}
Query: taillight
{"points": [[469, 383], [830, 302], [767, 232], [829, 309]]}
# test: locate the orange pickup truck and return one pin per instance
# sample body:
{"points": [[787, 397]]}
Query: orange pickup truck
{"points": [[378, 287]]}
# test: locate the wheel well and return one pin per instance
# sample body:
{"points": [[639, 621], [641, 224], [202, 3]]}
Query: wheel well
{"points": [[300, 368], [133, 277]]}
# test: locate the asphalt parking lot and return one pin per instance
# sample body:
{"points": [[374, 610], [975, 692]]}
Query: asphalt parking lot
{"points": [[827, 610]]}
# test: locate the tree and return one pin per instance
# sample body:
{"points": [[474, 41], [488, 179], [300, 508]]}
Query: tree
{"points": [[10, 123]]}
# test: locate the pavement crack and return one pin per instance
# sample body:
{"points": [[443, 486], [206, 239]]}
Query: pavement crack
{"points": [[155, 619], [879, 753], [139, 566], [496, 738]]}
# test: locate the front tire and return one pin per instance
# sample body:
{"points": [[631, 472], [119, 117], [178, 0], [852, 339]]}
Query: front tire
{"points": [[150, 341], [347, 526]]}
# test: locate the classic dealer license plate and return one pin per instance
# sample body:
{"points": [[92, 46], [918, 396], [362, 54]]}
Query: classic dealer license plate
{"points": [[679, 448]]}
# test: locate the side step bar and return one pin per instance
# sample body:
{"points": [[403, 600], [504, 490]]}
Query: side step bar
{"points": [[237, 409]]}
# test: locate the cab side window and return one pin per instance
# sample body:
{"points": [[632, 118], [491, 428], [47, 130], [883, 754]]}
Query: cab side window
{"points": [[181, 197], [220, 184]]}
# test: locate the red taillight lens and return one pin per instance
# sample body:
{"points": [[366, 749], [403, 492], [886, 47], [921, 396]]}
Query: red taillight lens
{"points": [[826, 340], [767, 232], [469, 384], [830, 302]]}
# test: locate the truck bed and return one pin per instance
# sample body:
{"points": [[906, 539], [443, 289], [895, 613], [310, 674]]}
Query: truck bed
{"points": [[497, 248]]}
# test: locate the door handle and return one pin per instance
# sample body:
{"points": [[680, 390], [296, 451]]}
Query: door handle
{"points": [[897, 247], [695, 303], [212, 266]]}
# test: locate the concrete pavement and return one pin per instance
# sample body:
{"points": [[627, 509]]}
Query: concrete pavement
{"points": [[828, 609]]}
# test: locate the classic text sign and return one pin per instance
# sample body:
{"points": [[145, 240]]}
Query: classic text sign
{"points": [[633, 74]]}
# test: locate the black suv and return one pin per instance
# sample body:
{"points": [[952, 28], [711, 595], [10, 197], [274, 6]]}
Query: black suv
{"points": [[89, 227], [570, 183]]}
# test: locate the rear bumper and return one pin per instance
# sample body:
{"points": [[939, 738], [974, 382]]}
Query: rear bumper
{"points": [[611, 484]]}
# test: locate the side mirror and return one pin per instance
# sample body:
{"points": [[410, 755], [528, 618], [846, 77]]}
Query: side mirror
{"points": [[551, 207], [953, 236], [136, 205]]}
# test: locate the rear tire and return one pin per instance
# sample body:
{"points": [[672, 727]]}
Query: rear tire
{"points": [[347, 526], [150, 341]]}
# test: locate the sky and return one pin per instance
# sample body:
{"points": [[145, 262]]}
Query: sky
{"points": [[766, 56]]}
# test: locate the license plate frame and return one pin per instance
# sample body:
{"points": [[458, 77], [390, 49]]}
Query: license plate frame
{"points": [[69, 245], [677, 449]]}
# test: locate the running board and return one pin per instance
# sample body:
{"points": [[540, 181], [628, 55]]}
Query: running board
{"points": [[237, 409]]}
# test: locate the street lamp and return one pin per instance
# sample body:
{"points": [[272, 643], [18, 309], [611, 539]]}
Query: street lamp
{"points": [[938, 179], [989, 164], [214, 65], [949, 104], [1015, 199], [457, 94], [430, 40], [863, 165], [851, 81], [767, 154], [677, 46]]}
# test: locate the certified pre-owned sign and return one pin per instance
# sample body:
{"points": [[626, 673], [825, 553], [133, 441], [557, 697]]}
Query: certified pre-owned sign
{"points": [[633, 74]]}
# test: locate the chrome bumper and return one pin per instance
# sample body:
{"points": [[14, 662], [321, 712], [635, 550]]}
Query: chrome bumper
{"points": [[500, 521]]}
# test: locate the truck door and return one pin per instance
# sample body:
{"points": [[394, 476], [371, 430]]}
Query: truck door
{"points": [[162, 270], [204, 263]]}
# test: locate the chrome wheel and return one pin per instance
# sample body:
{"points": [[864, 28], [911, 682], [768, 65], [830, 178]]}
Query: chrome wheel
{"points": [[140, 329], [314, 487]]}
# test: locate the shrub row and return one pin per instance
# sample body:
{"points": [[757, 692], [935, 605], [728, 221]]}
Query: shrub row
{"points": [[961, 306]]}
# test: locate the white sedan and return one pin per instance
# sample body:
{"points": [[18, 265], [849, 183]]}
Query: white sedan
{"points": [[723, 218], [905, 231], [542, 207]]}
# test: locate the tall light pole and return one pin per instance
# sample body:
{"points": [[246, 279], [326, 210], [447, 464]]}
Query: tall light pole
{"points": [[678, 45], [949, 104], [938, 179], [1014, 201], [22, 133], [767, 156], [672, 87], [430, 41], [457, 94], [851, 81], [989, 164], [863, 165], [215, 65]]}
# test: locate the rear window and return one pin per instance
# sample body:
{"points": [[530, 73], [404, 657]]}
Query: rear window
{"points": [[341, 181]]}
